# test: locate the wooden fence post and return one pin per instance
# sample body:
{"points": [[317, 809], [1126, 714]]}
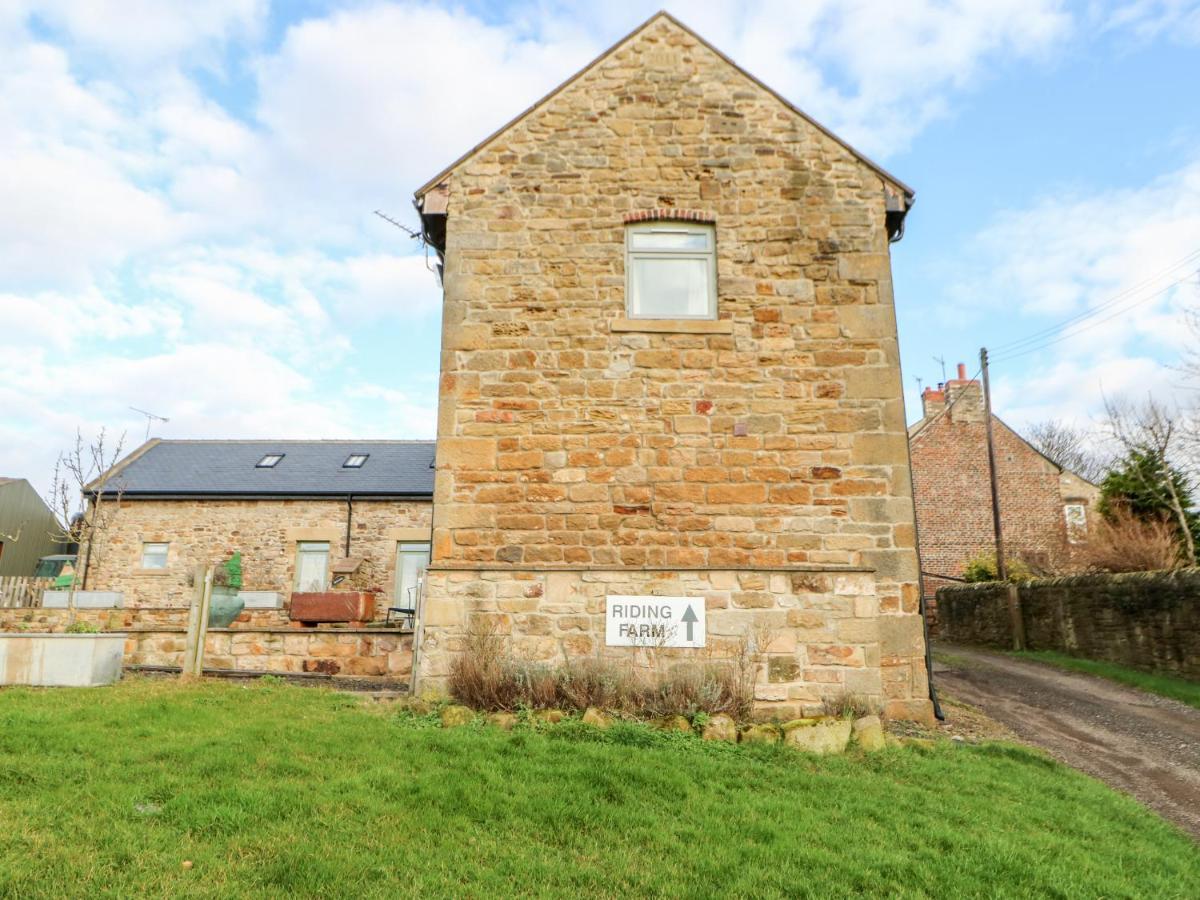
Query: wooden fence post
{"points": [[193, 654], [1016, 616]]}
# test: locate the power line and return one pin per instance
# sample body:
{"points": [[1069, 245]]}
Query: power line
{"points": [[1072, 332], [1096, 310]]}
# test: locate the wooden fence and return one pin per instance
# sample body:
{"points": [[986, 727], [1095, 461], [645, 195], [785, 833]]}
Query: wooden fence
{"points": [[22, 591]]}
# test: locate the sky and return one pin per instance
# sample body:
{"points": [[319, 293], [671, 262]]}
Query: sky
{"points": [[188, 194]]}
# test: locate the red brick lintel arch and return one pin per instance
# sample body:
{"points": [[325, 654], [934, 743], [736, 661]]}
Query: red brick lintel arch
{"points": [[666, 214]]}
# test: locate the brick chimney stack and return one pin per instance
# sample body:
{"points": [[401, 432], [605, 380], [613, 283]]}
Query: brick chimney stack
{"points": [[965, 393]]}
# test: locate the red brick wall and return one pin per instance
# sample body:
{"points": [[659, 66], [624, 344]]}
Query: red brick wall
{"points": [[953, 495]]}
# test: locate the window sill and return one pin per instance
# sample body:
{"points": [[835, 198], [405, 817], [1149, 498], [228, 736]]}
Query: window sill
{"points": [[675, 326], [140, 572]]}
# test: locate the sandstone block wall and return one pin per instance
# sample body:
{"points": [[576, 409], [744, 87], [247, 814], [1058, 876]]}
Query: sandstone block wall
{"points": [[569, 436], [1145, 620], [202, 532], [264, 643], [814, 634], [359, 653]]}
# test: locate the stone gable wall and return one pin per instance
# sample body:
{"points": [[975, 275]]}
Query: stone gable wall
{"points": [[202, 532], [571, 438]]}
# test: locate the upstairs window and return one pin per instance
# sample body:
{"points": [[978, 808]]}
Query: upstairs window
{"points": [[355, 460], [670, 271], [269, 461]]}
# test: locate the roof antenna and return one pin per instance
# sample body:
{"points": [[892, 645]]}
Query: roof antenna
{"points": [[941, 361], [415, 235], [150, 417], [920, 383]]}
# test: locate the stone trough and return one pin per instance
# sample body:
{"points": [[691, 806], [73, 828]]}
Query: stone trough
{"points": [[61, 660]]}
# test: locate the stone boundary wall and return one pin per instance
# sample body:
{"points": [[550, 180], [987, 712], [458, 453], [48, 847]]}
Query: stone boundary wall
{"points": [[1144, 620], [826, 636], [265, 644]]}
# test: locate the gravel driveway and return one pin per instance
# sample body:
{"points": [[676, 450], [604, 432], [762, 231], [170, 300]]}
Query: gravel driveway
{"points": [[1139, 743]]}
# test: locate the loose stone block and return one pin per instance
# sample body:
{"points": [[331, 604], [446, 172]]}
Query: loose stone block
{"points": [[819, 736], [868, 733]]}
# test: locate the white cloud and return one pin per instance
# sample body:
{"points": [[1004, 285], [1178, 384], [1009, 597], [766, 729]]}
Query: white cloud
{"points": [[141, 31], [1069, 256], [1178, 20], [366, 104], [876, 73]]}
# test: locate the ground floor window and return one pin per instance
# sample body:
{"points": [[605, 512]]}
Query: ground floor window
{"points": [[411, 562], [1076, 516], [312, 565], [154, 555]]}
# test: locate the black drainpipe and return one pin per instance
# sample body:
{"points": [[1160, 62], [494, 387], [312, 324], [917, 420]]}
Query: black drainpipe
{"points": [[912, 488], [349, 519]]}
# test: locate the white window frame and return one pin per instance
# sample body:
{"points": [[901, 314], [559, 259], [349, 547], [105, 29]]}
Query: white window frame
{"points": [[166, 549], [306, 547], [1076, 531], [400, 598], [709, 255]]}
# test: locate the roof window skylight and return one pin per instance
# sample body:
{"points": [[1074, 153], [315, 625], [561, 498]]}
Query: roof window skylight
{"points": [[355, 460], [269, 461]]}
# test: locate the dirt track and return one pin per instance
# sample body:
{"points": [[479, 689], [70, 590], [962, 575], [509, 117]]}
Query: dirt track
{"points": [[1139, 743]]}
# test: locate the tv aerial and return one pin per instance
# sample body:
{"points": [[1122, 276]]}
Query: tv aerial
{"points": [[150, 419]]}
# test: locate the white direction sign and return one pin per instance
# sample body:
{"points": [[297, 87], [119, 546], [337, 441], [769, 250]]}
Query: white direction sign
{"points": [[631, 621]]}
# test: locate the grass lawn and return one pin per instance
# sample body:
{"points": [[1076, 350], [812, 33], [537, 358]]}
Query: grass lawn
{"points": [[1176, 688], [271, 790]]}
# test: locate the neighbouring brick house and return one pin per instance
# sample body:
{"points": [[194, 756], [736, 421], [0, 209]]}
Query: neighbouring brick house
{"points": [[670, 367], [306, 516], [1044, 508]]}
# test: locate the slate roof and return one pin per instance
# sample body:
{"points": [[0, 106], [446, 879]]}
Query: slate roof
{"points": [[308, 469]]}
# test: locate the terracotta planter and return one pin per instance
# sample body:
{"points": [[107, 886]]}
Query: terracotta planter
{"points": [[333, 606]]}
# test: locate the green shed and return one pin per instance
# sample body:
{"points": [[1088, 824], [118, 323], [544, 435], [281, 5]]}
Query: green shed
{"points": [[27, 528]]}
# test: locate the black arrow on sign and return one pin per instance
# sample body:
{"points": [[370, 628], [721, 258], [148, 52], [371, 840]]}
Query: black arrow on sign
{"points": [[690, 619]]}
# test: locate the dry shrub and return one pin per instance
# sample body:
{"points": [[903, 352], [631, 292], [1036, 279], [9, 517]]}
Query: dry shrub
{"points": [[486, 677], [482, 676], [1122, 542], [849, 706]]}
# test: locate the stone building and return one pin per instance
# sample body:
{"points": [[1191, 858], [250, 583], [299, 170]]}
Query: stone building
{"points": [[670, 368], [292, 509], [312, 518], [1044, 508]]}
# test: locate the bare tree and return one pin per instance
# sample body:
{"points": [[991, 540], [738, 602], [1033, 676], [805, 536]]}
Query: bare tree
{"points": [[1158, 432], [85, 496], [1075, 449]]}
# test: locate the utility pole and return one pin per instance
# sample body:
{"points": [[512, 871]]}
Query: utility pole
{"points": [[1014, 597], [1001, 568]]}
